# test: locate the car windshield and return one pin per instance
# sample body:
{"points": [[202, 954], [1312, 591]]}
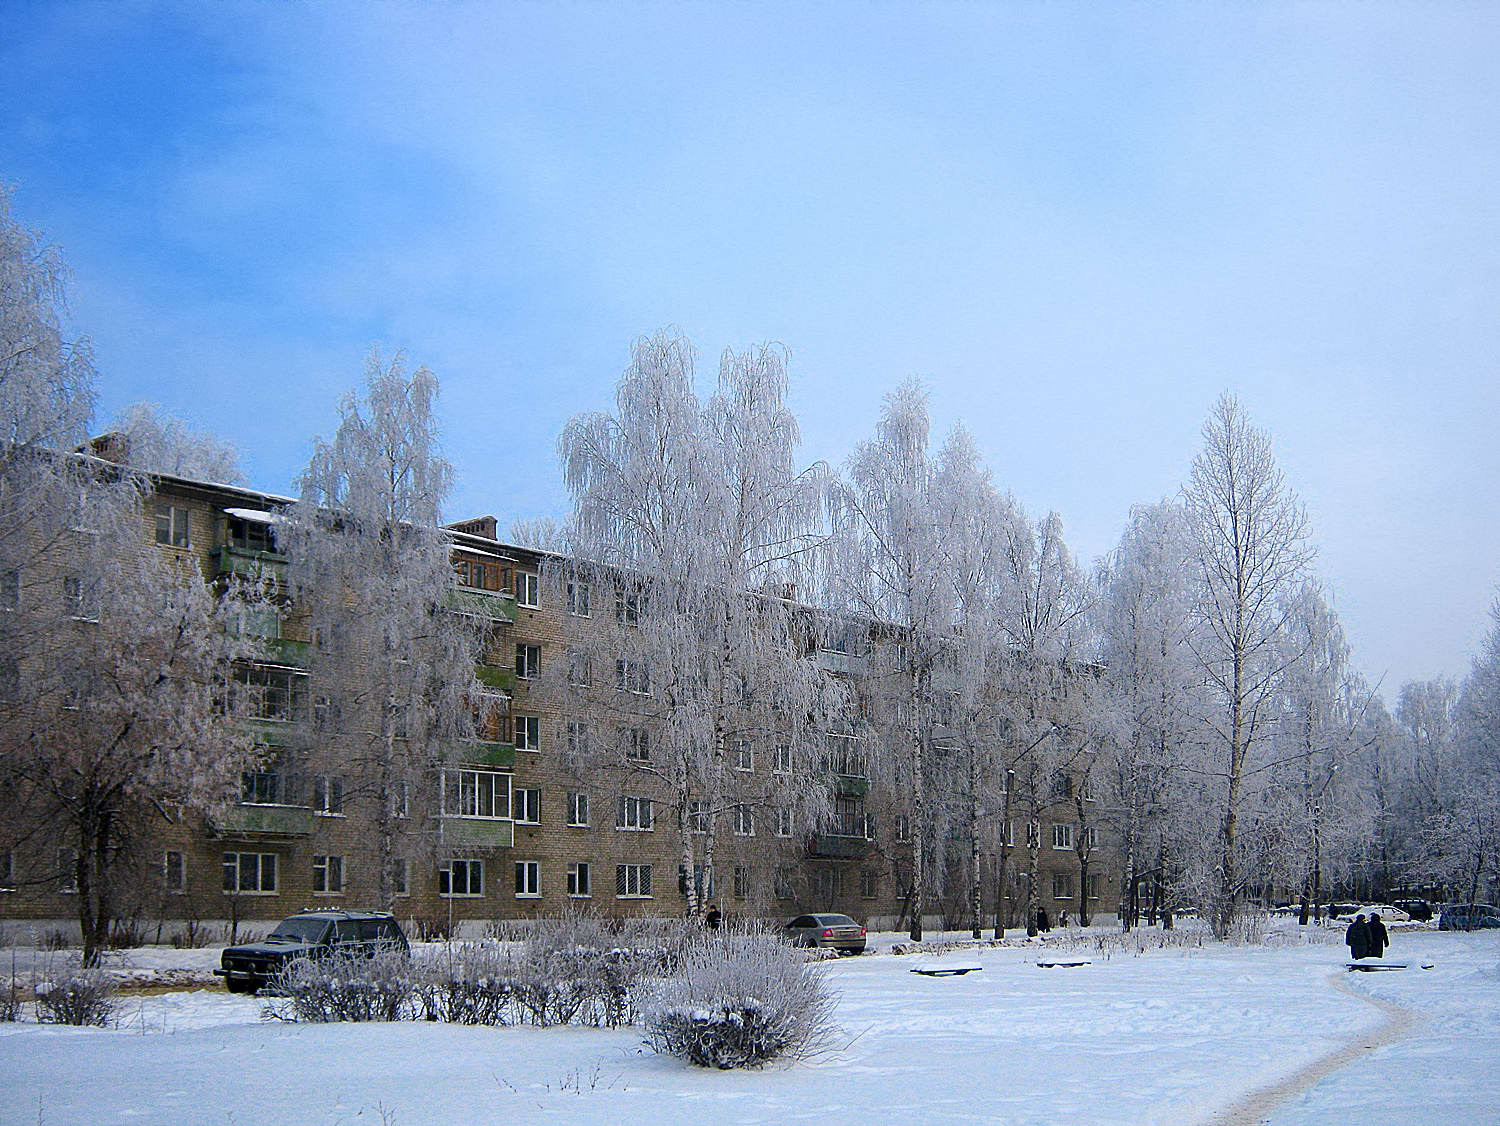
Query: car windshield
{"points": [[299, 930], [836, 921]]}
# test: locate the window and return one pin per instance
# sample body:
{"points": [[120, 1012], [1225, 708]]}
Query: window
{"points": [[903, 827], [10, 590], [578, 808], [1095, 882], [580, 670], [528, 589], [783, 761], [173, 872], [869, 883], [634, 814], [633, 881], [400, 798], [849, 818], [7, 871], [528, 661], [830, 884], [701, 882], [326, 713], [328, 875], [528, 733], [1010, 834], [247, 535], [172, 525], [783, 821], [479, 575], [744, 757], [1062, 786], [80, 599], [269, 692], [401, 875], [67, 871], [1062, 837], [742, 882], [1062, 885], [628, 604], [579, 885], [528, 806], [269, 787], [461, 879], [781, 885], [250, 873], [328, 795], [578, 738], [841, 756], [744, 821], [1009, 783], [528, 879], [476, 793], [632, 676], [578, 599], [1090, 838], [637, 744], [697, 817]]}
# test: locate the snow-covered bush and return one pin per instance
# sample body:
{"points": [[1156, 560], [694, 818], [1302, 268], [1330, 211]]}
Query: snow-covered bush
{"points": [[76, 996], [740, 1000], [343, 988], [465, 984]]}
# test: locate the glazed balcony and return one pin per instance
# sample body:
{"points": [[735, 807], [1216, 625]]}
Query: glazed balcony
{"points": [[477, 832], [231, 560], [264, 821]]}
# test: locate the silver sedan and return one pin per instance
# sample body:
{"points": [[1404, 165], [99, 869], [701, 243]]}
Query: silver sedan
{"points": [[833, 932]]}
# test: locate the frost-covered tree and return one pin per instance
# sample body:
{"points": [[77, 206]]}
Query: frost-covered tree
{"points": [[885, 568], [153, 441], [700, 518], [393, 663], [1250, 535]]}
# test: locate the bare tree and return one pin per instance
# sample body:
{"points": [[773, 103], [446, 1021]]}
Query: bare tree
{"points": [[393, 662], [1250, 533]]}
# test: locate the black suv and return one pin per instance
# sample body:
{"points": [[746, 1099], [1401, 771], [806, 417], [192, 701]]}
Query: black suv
{"points": [[312, 934]]}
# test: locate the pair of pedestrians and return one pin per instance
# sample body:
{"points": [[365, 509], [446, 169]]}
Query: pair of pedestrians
{"points": [[1366, 937]]}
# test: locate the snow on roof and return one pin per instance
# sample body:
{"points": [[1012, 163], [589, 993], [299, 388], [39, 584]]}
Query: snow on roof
{"points": [[254, 515]]}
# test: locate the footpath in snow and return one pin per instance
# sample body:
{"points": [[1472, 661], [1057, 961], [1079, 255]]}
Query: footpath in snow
{"points": [[1180, 1035]]}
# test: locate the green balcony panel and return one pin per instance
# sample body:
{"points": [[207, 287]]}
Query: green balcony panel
{"points": [[265, 821], [473, 832], [851, 785], [272, 732], [258, 564], [827, 844], [496, 607], [298, 654], [493, 676], [490, 754]]}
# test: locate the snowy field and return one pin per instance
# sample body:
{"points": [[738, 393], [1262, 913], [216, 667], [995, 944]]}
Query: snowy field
{"points": [[1165, 1036]]}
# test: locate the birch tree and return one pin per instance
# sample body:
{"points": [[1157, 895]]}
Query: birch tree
{"points": [[885, 569], [393, 664], [156, 442], [1250, 534], [700, 517]]}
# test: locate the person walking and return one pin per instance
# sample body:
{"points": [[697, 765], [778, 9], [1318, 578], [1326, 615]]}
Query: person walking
{"points": [[714, 917], [1379, 938], [1357, 938]]}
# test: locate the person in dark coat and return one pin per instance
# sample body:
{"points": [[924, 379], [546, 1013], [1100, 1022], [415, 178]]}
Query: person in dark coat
{"points": [[1043, 923], [1357, 938], [1379, 939], [713, 918]]}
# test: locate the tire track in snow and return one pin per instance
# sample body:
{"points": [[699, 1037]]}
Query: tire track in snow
{"points": [[1257, 1107]]}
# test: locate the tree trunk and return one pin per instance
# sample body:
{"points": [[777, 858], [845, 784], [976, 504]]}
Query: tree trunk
{"points": [[919, 806]]}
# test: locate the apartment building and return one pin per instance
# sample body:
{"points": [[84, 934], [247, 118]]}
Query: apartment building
{"points": [[518, 823]]}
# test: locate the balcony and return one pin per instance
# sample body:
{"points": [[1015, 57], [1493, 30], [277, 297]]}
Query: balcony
{"points": [[297, 654], [477, 832], [851, 785], [264, 821], [500, 679], [231, 560], [272, 732], [497, 606], [831, 660], [838, 845], [489, 754]]}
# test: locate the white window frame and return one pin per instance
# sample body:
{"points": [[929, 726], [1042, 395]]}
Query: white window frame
{"points": [[260, 872], [1062, 837], [633, 676], [328, 875], [744, 757], [580, 881], [328, 795], [637, 743], [526, 805], [528, 661], [177, 531], [869, 883], [1057, 879], [579, 737], [783, 760], [744, 821], [528, 732], [741, 881], [481, 780], [633, 881], [634, 815], [578, 809], [470, 867], [528, 590], [1095, 882], [528, 879], [578, 599], [903, 828], [783, 821], [697, 817]]}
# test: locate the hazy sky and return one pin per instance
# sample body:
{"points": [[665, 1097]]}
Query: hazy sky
{"points": [[1076, 227]]}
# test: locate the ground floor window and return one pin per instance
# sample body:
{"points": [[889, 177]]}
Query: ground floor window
{"points": [[250, 873], [579, 886], [173, 872], [633, 881], [400, 875], [1062, 885], [461, 879], [868, 884], [783, 883], [1096, 882], [742, 883], [528, 879], [830, 884], [328, 875]]}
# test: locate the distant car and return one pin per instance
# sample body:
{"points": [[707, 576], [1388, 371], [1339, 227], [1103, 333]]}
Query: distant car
{"points": [[312, 934], [1468, 917], [1418, 909], [831, 932]]}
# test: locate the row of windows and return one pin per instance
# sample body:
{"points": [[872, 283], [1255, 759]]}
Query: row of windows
{"points": [[630, 602], [79, 598]]}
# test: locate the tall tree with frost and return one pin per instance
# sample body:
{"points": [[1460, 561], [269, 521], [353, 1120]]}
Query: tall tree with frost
{"points": [[700, 517], [393, 664], [1250, 534], [156, 442], [885, 568], [113, 654]]}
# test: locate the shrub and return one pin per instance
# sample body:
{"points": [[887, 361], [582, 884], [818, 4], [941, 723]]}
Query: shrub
{"points": [[467, 984], [433, 928], [740, 1000], [343, 988], [76, 996]]}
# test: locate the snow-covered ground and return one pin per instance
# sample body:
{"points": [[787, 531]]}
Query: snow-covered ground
{"points": [[1166, 1036]]}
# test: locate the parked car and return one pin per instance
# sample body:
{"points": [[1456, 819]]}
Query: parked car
{"points": [[1418, 909], [312, 934], [1468, 917], [831, 932]]}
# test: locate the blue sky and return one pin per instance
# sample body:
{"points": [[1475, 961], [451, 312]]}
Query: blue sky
{"points": [[1077, 227]]}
